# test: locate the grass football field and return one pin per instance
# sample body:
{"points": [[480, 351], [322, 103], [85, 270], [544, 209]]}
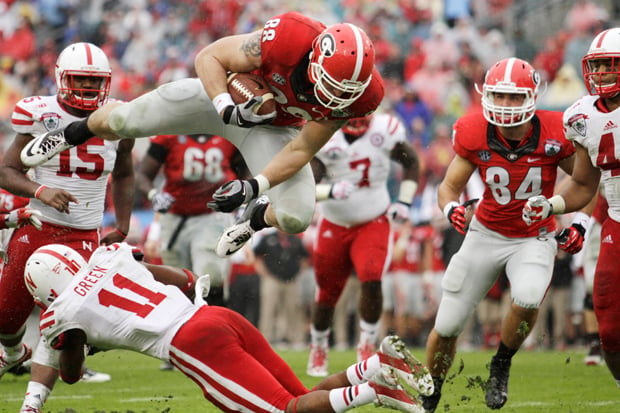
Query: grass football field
{"points": [[549, 382]]}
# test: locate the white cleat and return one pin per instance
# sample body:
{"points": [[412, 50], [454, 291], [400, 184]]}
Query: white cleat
{"points": [[45, 147], [394, 353], [391, 394]]}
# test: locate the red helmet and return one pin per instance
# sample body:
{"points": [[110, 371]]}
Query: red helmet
{"points": [[513, 76], [83, 60], [357, 126], [341, 65], [604, 46]]}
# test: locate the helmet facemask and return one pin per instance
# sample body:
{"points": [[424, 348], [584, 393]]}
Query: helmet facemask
{"points": [[510, 76], [83, 76], [594, 77]]}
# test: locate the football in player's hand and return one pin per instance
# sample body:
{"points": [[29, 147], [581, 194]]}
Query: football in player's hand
{"points": [[244, 86]]}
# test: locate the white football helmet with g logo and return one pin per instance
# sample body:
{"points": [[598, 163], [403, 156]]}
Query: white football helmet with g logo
{"points": [[511, 76], [75, 63], [49, 270], [601, 65]]}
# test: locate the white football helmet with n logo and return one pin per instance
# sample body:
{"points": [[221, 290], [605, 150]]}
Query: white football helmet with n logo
{"points": [[76, 62], [49, 270]]}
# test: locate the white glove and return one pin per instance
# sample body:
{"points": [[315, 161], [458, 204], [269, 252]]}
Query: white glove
{"points": [[161, 201], [536, 209], [341, 190], [23, 216], [398, 212], [201, 288], [243, 114]]}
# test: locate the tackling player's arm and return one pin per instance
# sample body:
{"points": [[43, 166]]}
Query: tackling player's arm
{"points": [[184, 279], [149, 167], [13, 178], [71, 345]]}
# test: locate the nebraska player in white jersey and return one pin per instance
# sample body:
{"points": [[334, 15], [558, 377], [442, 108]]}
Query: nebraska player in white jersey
{"points": [[354, 230], [114, 301], [517, 151], [593, 123], [69, 189]]}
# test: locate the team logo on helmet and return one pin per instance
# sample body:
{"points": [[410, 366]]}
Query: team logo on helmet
{"points": [[327, 45], [50, 120], [552, 147], [578, 123]]}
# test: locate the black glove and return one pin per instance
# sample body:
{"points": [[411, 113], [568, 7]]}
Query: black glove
{"points": [[233, 194], [243, 114]]}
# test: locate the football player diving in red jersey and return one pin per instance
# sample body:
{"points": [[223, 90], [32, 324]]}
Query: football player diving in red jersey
{"points": [[516, 150], [320, 77]]}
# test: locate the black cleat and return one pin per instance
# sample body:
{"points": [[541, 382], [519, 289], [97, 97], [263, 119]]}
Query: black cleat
{"points": [[497, 385]]}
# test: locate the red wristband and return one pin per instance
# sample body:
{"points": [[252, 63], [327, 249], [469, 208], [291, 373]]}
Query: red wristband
{"points": [[118, 231], [190, 280], [40, 189]]}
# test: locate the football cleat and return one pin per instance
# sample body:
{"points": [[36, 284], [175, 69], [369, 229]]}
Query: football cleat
{"points": [[392, 395], [45, 147], [7, 364], [235, 237], [394, 353], [317, 362], [497, 385], [92, 376], [430, 402], [593, 360]]}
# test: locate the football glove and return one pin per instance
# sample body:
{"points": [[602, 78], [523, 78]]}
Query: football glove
{"points": [[162, 201], [243, 114], [536, 209], [23, 216], [398, 212], [233, 194], [571, 239], [455, 214], [341, 190]]}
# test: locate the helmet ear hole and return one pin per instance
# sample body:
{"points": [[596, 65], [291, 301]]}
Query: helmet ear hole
{"points": [[49, 270]]}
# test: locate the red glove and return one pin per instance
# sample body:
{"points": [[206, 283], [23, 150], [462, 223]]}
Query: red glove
{"points": [[571, 239], [456, 214]]}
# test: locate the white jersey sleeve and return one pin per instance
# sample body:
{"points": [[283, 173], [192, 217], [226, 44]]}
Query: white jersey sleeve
{"points": [[83, 170], [119, 305], [365, 163], [599, 133]]}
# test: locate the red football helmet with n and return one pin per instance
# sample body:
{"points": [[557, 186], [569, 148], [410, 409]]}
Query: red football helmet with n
{"points": [[341, 64], [601, 65], [510, 76]]}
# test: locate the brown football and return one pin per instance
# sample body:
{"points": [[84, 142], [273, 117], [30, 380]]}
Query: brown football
{"points": [[244, 86]]}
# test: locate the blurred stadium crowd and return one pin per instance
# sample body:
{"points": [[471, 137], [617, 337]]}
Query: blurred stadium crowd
{"points": [[431, 54]]}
